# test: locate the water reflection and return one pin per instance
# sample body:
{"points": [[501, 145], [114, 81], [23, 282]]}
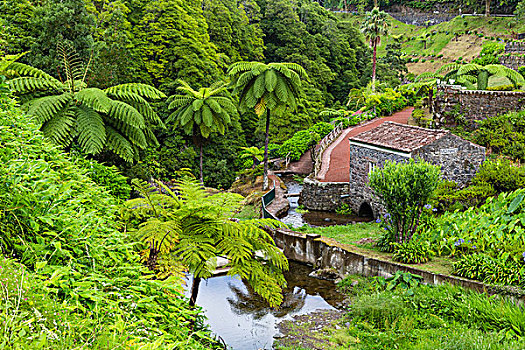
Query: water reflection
{"points": [[246, 322]]}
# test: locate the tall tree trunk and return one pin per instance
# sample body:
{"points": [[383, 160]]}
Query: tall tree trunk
{"points": [[194, 290], [374, 60], [487, 8], [200, 164], [267, 138], [375, 3]]}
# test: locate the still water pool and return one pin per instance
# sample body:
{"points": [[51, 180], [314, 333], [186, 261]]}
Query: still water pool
{"points": [[245, 322]]}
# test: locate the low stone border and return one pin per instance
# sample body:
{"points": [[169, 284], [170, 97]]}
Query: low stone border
{"points": [[325, 253]]}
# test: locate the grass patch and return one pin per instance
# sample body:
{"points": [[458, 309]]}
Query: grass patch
{"points": [[427, 317], [348, 234], [353, 238]]}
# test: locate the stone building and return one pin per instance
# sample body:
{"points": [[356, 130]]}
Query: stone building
{"points": [[459, 159]]}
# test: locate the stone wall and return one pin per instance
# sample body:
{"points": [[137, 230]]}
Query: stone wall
{"points": [[459, 159], [422, 19], [323, 253], [474, 104], [361, 159], [515, 47], [317, 195], [512, 62]]}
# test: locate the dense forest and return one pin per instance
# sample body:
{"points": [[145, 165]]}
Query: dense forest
{"points": [[159, 42]]}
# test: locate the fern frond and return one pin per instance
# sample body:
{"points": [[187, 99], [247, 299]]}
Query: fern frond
{"points": [[95, 99], [177, 101], [60, 127], [144, 108], [126, 114], [135, 135], [241, 67], [143, 90], [90, 129], [118, 144], [446, 68], [47, 107], [25, 70], [471, 68], [24, 85]]}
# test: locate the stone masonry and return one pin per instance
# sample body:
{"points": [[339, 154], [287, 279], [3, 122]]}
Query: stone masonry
{"points": [[317, 195], [514, 57], [474, 104], [512, 62], [459, 159]]}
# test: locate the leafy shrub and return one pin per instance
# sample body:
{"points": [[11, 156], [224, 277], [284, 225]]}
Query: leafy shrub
{"points": [[405, 189], [489, 53], [482, 267], [301, 141], [390, 101], [414, 252], [501, 174], [321, 128], [495, 230], [108, 177], [503, 134], [402, 280]]}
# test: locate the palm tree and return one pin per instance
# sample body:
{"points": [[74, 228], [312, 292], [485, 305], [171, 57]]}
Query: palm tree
{"points": [[190, 226], [201, 112], [116, 118], [267, 88], [374, 26]]}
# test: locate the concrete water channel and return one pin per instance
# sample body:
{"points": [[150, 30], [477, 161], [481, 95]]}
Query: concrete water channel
{"points": [[242, 319]]}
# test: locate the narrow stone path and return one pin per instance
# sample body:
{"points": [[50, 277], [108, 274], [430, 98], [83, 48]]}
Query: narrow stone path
{"points": [[336, 158], [280, 205]]}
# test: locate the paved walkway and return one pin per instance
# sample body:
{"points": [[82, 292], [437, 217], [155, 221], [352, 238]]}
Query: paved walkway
{"points": [[280, 205], [336, 158]]}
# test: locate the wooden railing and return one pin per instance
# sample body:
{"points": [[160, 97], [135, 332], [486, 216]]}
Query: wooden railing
{"points": [[267, 199], [323, 145]]}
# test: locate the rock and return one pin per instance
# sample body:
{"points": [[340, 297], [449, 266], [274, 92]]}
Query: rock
{"points": [[328, 274], [279, 335], [327, 220], [354, 283]]}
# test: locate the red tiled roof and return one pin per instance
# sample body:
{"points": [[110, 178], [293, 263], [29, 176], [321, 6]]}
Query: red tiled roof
{"points": [[406, 138]]}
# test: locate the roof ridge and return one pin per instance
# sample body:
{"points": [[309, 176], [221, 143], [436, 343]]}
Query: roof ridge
{"points": [[407, 138], [414, 127]]}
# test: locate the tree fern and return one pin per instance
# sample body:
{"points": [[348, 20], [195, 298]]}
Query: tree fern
{"points": [[265, 88], [201, 112], [197, 228], [117, 118]]}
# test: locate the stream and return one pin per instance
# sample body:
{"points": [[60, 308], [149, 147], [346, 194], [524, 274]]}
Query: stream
{"points": [[313, 218], [243, 319]]}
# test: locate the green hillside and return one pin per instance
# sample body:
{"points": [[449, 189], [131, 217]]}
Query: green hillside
{"points": [[462, 37]]}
